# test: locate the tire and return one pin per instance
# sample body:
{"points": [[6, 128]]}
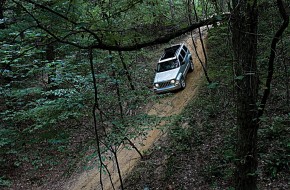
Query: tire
{"points": [[191, 66], [182, 83]]}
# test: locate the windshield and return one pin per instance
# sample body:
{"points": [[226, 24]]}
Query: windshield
{"points": [[167, 65]]}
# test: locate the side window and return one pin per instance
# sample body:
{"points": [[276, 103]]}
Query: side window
{"points": [[182, 52], [185, 48], [180, 58], [182, 55]]}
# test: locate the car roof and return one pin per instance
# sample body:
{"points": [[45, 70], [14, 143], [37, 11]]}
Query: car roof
{"points": [[171, 52]]}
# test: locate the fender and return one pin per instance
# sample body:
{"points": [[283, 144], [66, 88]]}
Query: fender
{"points": [[188, 57], [179, 76]]}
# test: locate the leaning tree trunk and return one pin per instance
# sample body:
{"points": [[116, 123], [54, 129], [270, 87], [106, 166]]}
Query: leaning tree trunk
{"points": [[244, 30]]}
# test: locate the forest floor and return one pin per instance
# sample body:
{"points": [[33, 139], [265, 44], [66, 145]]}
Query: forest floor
{"points": [[170, 104], [192, 147], [198, 152], [167, 106]]}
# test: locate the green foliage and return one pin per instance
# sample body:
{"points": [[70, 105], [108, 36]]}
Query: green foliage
{"points": [[211, 117], [171, 167], [207, 127], [4, 182], [277, 162], [48, 96], [205, 130], [275, 131], [46, 104], [181, 138]]}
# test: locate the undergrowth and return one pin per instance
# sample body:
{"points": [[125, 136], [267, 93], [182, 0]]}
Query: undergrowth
{"points": [[212, 125], [199, 151]]}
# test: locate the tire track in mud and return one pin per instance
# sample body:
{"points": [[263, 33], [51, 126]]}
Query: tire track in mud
{"points": [[168, 106]]}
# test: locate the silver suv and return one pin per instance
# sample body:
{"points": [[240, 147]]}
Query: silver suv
{"points": [[172, 69]]}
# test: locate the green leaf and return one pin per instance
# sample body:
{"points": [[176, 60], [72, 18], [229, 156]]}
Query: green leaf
{"points": [[213, 85], [5, 182], [241, 77]]}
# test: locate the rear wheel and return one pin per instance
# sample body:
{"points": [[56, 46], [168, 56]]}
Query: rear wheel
{"points": [[191, 66]]}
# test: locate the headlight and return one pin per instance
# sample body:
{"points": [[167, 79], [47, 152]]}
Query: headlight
{"points": [[172, 81], [157, 85]]}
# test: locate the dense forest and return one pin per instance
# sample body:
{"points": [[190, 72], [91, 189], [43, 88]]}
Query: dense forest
{"points": [[76, 94]]}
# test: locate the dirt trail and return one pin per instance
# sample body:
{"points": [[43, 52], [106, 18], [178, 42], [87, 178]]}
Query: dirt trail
{"points": [[168, 106]]}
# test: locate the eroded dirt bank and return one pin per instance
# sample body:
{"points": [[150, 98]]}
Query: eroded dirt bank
{"points": [[90, 180]]}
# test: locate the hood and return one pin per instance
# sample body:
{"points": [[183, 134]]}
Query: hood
{"points": [[166, 75]]}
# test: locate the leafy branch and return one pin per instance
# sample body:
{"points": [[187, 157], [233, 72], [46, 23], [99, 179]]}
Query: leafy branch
{"points": [[105, 44]]}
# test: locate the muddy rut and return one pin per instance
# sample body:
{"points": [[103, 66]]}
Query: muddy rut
{"points": [[90, 180]]}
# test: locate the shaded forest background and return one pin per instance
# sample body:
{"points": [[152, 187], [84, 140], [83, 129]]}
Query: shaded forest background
{"points": [[50, 49], [200, 150]]}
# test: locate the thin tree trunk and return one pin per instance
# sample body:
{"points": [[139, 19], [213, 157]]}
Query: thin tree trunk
{"points": [[286, 75], [114, 151], [172, 11], [200, 35], [200, 61], [244, 30], [118, 169], [2, 25], [94, 115], [203, 48], [275, 40], [50, 57], [4, 80], [126, 70]]}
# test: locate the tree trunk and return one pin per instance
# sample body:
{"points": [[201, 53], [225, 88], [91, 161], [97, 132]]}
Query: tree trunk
{"points": [[172, 9], [2, 25], [126, 70], [50, 57], [244, 30], [5, 66]]}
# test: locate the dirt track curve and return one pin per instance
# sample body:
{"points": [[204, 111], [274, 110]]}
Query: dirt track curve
{"points": [[90, 180]]}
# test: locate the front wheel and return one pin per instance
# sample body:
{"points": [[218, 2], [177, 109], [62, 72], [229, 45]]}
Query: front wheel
{"points": [[182, 83]]}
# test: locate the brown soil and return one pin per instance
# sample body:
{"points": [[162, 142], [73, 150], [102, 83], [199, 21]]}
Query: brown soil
{"points": [[167, 106]]}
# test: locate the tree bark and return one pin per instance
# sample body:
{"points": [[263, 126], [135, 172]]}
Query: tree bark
{"points": [[204, 65], [275, 40], [244, 30], [126, 70], [172, 9], [2, 25], [5, 66], [50, 57]]}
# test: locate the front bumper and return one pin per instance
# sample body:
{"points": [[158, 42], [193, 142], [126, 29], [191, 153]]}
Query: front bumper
{"points": [[166, 87]]}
